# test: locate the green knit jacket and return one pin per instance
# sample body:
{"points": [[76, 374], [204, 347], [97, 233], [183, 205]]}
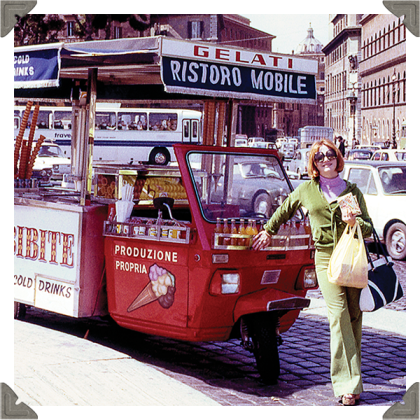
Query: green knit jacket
{"points": [[326, 223]]}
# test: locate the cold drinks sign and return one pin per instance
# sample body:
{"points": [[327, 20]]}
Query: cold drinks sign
{"points": [[219, 71]]}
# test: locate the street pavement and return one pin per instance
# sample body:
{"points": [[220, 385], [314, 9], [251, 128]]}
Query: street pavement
{"points": [[60, 361]]}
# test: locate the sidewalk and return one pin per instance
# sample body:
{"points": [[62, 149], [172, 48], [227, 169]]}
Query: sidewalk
{"points": [[53, 368], [57, 369], [382, 319]]}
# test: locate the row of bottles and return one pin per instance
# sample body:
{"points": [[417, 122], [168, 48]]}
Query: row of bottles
{"points": [[251, 229], [292, 230]]}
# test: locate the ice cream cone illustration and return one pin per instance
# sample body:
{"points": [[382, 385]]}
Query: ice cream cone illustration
{"points": [[161, 287], [147, 295]]}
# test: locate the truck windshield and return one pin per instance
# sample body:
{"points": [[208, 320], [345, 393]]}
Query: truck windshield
{"points": [[237, 185]]}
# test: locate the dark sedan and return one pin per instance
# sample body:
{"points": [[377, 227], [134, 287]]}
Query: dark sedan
{"points": [[359, 154]]}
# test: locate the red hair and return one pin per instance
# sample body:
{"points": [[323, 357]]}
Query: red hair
{"points": [[312, 169]]}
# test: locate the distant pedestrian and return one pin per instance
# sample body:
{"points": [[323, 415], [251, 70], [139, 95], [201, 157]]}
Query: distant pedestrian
{"points": [[341, 146]]}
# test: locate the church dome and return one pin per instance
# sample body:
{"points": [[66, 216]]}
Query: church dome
{"points": [[310, 45]]}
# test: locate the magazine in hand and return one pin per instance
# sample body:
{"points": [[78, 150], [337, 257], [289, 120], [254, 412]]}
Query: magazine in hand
{"points": [[349, 202]]}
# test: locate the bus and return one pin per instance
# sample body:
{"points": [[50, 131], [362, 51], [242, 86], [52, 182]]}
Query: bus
{"points": [[122, 135], [309, 134]]}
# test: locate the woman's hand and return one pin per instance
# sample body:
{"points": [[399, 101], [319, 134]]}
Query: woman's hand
{"points": [[261, 240], [348, 217]]}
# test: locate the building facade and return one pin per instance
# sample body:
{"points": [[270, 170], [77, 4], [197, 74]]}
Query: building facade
{"points": [[383, 79], [289, 117], [342, 105]]}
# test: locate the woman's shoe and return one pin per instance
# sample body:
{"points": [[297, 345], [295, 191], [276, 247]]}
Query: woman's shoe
{"points": [[350, 399]]}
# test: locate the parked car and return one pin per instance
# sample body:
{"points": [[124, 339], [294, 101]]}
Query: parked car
{"points": [[51, 156], [383, 185], [253, 140], [280, 141], [241, 143], [392, 155], [241, 140], [368, 146], [359, 154], [299, 163], [258, 186], [288, 150]]}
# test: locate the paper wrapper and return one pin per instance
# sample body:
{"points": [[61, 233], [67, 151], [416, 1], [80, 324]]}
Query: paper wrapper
{"points": [[147, 295], [123, 209]]}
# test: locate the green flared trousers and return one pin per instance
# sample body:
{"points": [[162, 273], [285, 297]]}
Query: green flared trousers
{"points": [[345, 319]]}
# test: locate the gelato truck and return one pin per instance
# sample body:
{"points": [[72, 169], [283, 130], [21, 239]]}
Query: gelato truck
{"points": [[162, 249], [167, 251]]}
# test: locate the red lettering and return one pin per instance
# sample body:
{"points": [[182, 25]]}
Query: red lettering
{"points": [[42, 246], [290, 63], [68, 240], [200, 51], [55, 236], [36, 245], [275, 60], [20, 242], [238, 57], [222, 54], [31, 243], [258, 58]]}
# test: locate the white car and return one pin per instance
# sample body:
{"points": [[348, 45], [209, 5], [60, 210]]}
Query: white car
{"points": [[253, 140], [392, 155], [51, 156], [383, 185], [299, 163]]}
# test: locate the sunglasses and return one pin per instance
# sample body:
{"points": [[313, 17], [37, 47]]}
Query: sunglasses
{"points": [[319, 156]]}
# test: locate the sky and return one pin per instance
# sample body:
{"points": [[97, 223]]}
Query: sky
{"points": [[290, 30]]}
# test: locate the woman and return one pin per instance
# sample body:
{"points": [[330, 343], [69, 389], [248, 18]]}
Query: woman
{"points": [[319, 197]]}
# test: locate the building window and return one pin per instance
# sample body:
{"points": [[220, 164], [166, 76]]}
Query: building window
{"points": [[195, 29], [70, 28], [117, 32]]}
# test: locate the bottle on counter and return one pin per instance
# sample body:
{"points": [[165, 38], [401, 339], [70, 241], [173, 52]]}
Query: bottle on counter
{"points": [[254, 227], [233, 231], [219, 229], [249, 231], [307, 226], [241, 241], [226, 230]]}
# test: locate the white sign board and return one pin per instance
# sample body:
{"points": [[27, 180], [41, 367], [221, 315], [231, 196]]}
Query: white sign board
{"points": [[46, 258]]}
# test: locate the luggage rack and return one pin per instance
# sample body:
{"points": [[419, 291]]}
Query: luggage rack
{"points": [[147, 229], [278, 242]]}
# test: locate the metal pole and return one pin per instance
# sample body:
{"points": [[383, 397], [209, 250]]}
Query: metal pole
{"points": [[393, 114], [91, 97]]}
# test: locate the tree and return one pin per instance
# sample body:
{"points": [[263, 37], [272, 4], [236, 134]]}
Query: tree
{"points": [[41, 29], [88, 25], [37, 29]]}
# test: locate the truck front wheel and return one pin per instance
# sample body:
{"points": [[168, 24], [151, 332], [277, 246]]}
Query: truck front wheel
{"points": [[263, 333]]}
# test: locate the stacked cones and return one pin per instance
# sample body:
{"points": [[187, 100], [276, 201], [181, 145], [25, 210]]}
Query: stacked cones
{"points": [[24, 156], [19, 137], [23, 147], [30, 167]]}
